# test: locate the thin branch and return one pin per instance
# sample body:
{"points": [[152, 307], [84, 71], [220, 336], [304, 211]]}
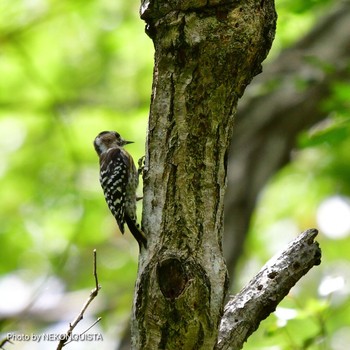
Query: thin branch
{"points": [[86, 330], [4, 341], [97, 286], [244, 312], [97, 321], [64, 340]]}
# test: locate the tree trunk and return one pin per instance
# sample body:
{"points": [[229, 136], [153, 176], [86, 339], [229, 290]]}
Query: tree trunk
{"points": [[205, 55]]}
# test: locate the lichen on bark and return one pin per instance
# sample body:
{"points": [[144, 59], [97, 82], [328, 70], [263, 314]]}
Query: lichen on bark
{"points": [[205, 55]]}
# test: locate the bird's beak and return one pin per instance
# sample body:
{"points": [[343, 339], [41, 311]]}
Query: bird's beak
{"points": [[127, 142]]}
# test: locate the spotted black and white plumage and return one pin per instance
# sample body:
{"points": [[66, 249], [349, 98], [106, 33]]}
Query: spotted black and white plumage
{"points": [[119, 180]]}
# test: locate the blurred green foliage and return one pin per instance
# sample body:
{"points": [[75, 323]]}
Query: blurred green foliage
{"points": [[70, 69]]}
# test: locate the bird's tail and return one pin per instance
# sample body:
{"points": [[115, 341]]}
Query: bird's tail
{"points": [[136, 231]]}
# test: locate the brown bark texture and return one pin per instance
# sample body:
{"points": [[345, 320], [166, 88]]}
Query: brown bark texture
{"points": [[206, 52], [259, 298]]}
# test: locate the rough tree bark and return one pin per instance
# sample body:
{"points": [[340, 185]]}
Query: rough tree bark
{"points": [[272, 116], [206, 52], [244, 312], [274, 110]]}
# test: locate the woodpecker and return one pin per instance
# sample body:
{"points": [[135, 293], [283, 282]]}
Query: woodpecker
{"points": [[119, 180]]}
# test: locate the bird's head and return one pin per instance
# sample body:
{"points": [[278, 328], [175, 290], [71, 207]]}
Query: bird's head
{"points": [[106, 140]]}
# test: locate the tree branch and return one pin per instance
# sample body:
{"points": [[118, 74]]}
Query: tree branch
{"points": [[3, 342], [65, 339], [244, 312]]}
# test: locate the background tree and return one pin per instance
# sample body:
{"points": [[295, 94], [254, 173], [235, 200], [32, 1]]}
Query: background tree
{"points": [[69, 70], [290, 96]]}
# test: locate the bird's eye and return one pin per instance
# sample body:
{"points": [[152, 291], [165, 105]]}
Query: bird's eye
{"points": [[117, 135]]}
